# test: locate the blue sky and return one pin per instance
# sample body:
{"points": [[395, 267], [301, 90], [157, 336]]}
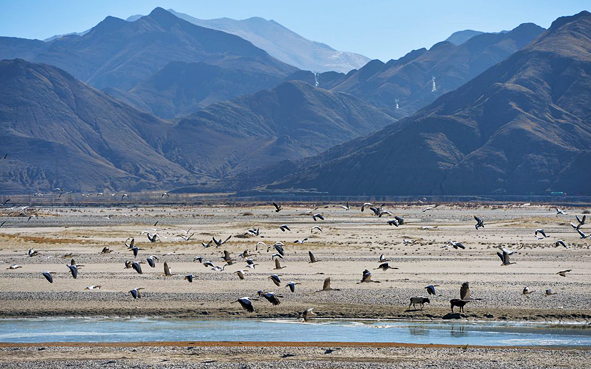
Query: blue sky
{"points": [[376, 28]]}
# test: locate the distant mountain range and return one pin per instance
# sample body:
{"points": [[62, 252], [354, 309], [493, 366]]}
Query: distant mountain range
{"points": [[406, 85], [521, 127], [284, 44], [459, 37], [60, 132], [119, 56], [177, 105]]}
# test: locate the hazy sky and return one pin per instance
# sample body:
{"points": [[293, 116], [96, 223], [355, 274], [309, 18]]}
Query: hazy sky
{"points": [[382, 29]]}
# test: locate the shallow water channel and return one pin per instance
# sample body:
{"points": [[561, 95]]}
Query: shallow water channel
{"points": [[32, 330]]}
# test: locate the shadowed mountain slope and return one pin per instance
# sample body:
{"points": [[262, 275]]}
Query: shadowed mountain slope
{"points": [[412, 82], [523, 126], [59, 132]]}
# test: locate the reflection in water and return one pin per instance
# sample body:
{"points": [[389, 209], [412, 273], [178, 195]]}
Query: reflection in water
{"points": [[418, 331], [458, 331]]}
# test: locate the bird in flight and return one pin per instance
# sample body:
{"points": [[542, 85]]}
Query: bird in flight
{"points": [[479, 222]]}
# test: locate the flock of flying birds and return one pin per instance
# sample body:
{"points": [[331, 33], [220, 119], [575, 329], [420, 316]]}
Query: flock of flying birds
{"points": [[279, 253]]}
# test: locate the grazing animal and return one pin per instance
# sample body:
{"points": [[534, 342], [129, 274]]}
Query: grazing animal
{"points": [[458, 303], [418, 301]]}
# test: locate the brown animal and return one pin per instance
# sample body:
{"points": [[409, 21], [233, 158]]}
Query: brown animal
{"points": [[459, 303]]}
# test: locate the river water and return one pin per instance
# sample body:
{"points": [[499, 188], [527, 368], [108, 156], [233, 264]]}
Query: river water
{"points": [[156, 329]]}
